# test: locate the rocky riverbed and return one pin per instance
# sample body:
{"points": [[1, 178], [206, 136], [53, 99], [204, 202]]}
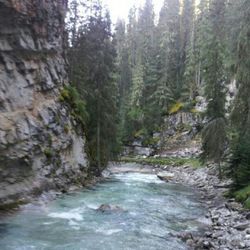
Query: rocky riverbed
{"points": [[229, 227], [227, 223]]}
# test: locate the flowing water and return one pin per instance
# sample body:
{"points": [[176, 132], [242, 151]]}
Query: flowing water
{"points": [[152, 211]]}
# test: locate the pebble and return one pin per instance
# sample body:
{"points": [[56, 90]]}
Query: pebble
{"points": [[242, 227], [229, 230]]}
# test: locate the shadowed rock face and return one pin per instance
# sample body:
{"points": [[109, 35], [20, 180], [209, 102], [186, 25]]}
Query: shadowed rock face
{"points": [[37, 152]]}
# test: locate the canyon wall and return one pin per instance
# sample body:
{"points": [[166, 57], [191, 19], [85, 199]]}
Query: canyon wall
{"points": [[41, 146]]}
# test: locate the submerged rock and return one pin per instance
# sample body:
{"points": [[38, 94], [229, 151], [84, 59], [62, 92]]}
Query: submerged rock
{"points": [[109, 208]]}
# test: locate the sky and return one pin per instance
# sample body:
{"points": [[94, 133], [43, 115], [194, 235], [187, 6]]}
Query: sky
{"points": [[120, 8]]}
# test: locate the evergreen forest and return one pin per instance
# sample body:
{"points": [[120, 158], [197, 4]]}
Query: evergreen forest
{"points": [[134, 75]]}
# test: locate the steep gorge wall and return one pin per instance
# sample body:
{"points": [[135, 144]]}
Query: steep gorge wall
{"points": [[180, 135], [41, 147]]}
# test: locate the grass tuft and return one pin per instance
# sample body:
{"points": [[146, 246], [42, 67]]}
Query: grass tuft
{"points": [[170, 161], [243, 195]]}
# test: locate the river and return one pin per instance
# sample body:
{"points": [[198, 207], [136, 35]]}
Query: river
{"points": [[152, 211]]}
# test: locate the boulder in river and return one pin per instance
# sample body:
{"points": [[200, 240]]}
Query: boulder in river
{"points": [[109, 208], [165, 176]]}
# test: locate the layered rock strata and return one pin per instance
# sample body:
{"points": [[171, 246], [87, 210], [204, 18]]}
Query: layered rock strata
{"points": [[41, 145]]}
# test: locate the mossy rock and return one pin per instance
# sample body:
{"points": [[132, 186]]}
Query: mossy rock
{"points": [[12, 205]]}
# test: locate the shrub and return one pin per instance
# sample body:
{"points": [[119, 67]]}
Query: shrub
{"points": [[66, 129], [247, 204], [243, 195], [140, 133], [48, 152], [70, 95], [151, 141], [176, 108], [181, 106], [171, 161], [240, 163]]}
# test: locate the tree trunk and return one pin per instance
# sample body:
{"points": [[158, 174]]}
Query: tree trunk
{"points": [[98, 142]]}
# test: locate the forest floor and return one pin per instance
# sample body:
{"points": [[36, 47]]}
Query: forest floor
{"points": [[227, 222]]}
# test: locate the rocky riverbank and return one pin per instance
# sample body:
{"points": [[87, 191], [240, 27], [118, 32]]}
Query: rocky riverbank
{"points": [[227, 223], [229, 227]]}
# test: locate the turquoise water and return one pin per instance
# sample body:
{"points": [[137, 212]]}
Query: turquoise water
{"points": [[152, 209]]}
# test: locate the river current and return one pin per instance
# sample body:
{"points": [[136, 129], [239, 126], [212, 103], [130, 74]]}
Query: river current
{"points": [[150, 213]]}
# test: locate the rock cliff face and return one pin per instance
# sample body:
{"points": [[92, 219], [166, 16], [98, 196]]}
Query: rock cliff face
{"points": [[179, 136], [41, 147]]}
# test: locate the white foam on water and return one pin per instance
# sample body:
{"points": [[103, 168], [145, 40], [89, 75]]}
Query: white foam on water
{"points": [[48, 223], [92, 206], [72, 215], [146, 230], [129, 178], [133, 213], [108, 231], [73, 223]]}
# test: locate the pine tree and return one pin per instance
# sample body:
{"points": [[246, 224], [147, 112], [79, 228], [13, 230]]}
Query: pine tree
{"points": [[141, 41], [124, 76], [132, 36], [169, 51], [93, 68], [241, 113], [213, 53], [135, 111], [187, 38], [190, 50]]}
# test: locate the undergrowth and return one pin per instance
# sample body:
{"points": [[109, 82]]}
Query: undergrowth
{"points": [[171, 161], [70, 95], [243, 196]]}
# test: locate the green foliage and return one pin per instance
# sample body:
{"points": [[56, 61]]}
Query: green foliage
{"points": [[243, 196], [136, 114], [159, 70], [48, 152], [240, 162], [176, 108], [194, 111], [214, 141], [151, 141], [247, 204], [182, 106], [193, 162], [240, 50], [92, 73], [140, 133], [70, 95], [212, 43], [66, 129]]}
